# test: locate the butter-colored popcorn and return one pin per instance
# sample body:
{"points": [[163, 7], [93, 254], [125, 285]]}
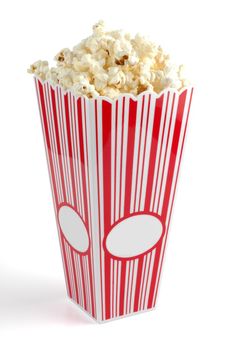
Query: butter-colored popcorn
{"points": [[100, 81], [116, 77], [39, 68], [111, 63], [110, 92], [133, 59], [51, 75], [64, 57], [83, 87], [98, 28]]}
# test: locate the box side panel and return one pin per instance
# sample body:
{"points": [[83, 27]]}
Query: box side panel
{"points": [[64, 125]]}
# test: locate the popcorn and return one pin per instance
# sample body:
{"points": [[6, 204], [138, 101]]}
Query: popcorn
{"points": [[51, 75], [64, 58], [100, 81], [39, 68], [98, 28], [110, 92], [111, 63], [133, 59], [116, 78]]}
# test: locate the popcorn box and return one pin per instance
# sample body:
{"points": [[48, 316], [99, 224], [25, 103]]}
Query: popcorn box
{"points": [[113, 166]]}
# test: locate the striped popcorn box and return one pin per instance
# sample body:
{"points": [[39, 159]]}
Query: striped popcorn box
{"points": [[113, 166]]}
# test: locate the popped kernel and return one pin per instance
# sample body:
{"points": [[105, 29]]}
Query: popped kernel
{"points": [[110, 92], [109, 63], [39, 68], [100, 81], [64, 57]]}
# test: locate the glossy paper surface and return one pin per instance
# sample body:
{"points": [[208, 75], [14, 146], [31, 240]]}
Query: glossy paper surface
{"points": [[113, 166]]}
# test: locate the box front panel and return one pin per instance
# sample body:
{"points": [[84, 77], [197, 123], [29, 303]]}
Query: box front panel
{"points": [[138, 149]]}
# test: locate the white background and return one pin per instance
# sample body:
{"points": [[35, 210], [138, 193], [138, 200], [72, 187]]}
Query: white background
{"points": [[194, 307]]}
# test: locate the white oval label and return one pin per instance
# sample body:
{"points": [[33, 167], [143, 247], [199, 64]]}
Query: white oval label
{"points": [[134, 236], [73, 228]]}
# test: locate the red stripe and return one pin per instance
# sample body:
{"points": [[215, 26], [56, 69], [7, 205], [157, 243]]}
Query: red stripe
{"points": [[87, 287], [55, 118], [153, 150], [66, 266], [92, 292], [74, 158], [144, 152], [83, 284], [165, 155], [79, 278], [175, 143], [91, 285], [63, 144], [127, 287], [160, 151], [138, 156], [122, 287], [66, 250], [107, 280], [82, 158], [74, 272], [70, 151], [129, 159], [131, 289], [122, 139], [117, 271], [138, 283], [115, 161], [146, 281], [98, 190], [112, 287], [106, 135], [154, 276], [78, 162], [142, 281]]}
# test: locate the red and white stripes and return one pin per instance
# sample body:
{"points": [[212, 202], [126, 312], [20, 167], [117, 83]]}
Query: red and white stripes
{"points": [[64, 127], [109, 160]]}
